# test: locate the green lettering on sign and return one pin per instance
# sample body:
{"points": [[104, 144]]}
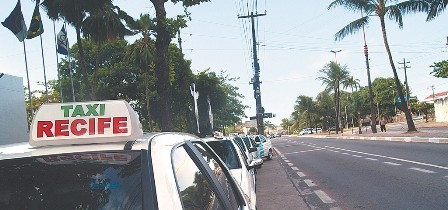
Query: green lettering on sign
{"points": [[78, 111], [102, 109], [66, 109], [92, 109]]}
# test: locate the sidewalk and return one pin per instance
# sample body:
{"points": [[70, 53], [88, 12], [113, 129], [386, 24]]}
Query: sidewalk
{"points": [[275, 190], [433, 132]]}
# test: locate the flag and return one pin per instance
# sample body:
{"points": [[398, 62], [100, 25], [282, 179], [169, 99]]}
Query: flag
{"points": [[16, 23], [62, 42], [36, 27]]}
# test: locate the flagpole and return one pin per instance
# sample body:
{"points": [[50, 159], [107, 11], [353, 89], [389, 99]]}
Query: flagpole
{"points": [[57, 62], [70, 69], [28, 80], [43, 64]]}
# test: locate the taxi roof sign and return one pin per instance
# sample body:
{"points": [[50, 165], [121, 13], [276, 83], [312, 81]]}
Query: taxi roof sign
{"points": [[84, 123]]}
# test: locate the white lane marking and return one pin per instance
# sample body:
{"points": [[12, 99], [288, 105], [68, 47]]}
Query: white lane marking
{"points": [[309, 182], [336, 208], [323, 196], [301, 174], [345, 153], [357, 156], [391, 163], [286, 160], [295, 168], [394, 158], [422, 170], [336, 151], [290, 164], [446, 176], [371, 159], [311, 150]]}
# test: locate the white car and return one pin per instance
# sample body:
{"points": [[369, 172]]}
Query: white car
{"points": [[94, 155], [267, 146], [236, 161]]}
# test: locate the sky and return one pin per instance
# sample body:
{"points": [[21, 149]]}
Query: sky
{"points": [[294, 39]]}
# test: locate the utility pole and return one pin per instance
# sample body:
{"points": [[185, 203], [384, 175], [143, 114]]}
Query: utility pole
{"points": [[255, 81], [433, 97], [406, 82]]}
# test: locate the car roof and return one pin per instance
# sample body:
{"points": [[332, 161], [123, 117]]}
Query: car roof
{"points": [[21, 150]]}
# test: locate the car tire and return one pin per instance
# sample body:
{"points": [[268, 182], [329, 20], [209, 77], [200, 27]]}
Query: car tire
{"points": [[269, 155]]}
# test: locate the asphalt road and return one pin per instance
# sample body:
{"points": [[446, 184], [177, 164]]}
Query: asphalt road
{"points": [[356, 174]]}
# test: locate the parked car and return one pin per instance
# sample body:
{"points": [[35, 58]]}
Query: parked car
{"points": [[248, 147], [104, 161], [236, 161], [305, 131], [267, 146]]}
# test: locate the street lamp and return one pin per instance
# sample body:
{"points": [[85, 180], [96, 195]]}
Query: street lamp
{"points": [[335, 52]]}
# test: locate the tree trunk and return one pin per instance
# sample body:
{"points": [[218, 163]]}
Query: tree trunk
{"points": [[82, 62], [148, 106], [162, 69], [410, 122], [336, 107]]}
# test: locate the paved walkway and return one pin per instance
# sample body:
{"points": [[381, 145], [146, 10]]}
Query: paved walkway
{"points": [[275, 190], [426, 132]]}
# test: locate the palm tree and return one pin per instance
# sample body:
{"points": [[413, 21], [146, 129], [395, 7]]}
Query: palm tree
{"points": [[381, 9], [334, 75], [104, 23], [286, 124], [143, 54], [354, 83], [74, 12], [434, 8], [305, 106]]}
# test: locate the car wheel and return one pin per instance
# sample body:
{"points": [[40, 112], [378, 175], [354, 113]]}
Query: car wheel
{"points": [[270, 155]]}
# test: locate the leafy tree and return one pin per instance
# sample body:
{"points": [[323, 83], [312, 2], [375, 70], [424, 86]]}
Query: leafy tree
{"points": [[287, 124], [325, 109], [381, 9], [104, 23], [354, 84], [305, 106], [440, 69], [270, 126], [425, 108], [334, 75], [142, 53], [165, 31], [225, 101], [74, 13]]}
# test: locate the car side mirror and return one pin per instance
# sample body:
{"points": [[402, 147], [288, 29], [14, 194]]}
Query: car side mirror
{"points": [[255, 163], [252, 149]]}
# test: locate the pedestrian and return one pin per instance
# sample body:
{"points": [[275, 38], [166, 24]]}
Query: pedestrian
{"points": [[383, 124]]}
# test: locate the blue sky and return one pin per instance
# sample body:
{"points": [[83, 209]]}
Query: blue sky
{"points": [[295, 41]]}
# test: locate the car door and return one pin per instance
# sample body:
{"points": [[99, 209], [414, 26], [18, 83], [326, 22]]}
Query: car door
{"points": [[203, 182]]}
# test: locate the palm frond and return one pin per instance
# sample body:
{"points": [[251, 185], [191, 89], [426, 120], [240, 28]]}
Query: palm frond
{"points": [[435, 8], [351, 28], [413, 6], [394, 13], [353, 5]]}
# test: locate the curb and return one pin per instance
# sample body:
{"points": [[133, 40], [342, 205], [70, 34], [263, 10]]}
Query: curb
{"points": [[397, 139]]}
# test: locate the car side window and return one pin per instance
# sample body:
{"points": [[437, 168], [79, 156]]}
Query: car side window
{"points": [[195, 189], [220, 175]]}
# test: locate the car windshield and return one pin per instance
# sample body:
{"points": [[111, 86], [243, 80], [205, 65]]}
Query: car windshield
{"points": [[240, 143], [106, 180], [226, 151], [246, 141]]}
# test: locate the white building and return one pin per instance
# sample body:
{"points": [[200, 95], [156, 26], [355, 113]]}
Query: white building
{"points": [[440, 101], [13, 122]]}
